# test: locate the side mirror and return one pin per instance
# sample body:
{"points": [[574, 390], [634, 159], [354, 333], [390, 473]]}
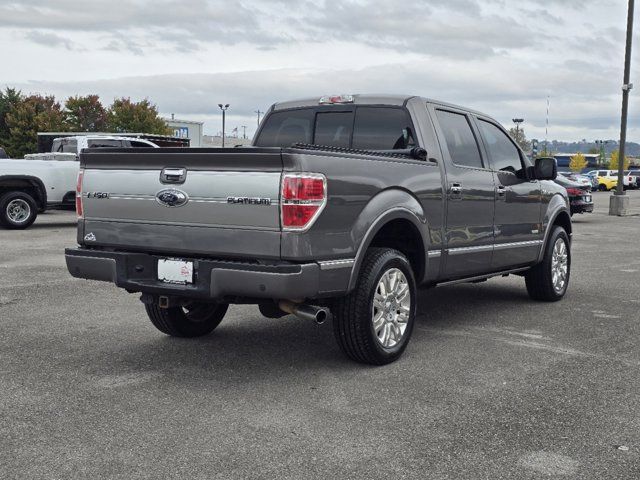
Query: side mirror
{"points": [[546, 169]]}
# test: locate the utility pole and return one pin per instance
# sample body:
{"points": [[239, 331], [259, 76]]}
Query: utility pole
{"points": [[618, 202], [224, 111], [244, 131], [259, 113]]}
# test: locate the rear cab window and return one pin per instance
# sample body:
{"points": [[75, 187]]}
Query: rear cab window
{"points": [[359, 127]]}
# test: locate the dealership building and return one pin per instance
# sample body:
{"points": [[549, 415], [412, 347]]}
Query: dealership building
{"points": [[186, 129]]}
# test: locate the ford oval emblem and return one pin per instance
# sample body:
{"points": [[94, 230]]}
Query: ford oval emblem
{"points": [[171, 197]]}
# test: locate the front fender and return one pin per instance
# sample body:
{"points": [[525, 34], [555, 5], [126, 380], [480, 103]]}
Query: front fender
{"points": [[388, 205], [556, 207]]}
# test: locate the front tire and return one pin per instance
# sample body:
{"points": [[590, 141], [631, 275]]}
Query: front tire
{"points": [[18, 210], [194, 320], [548, 281], [373, 324]]}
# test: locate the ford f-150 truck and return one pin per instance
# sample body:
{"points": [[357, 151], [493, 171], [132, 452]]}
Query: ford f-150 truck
{"points": [[43, 181], [341, 209]]}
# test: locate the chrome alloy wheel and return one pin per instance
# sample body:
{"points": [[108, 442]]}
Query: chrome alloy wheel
{"points": [[559, 265], [391, 307], [18, 210]]}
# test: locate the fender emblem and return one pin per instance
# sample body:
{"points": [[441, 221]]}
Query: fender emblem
{"points": [[90, 237], [171, 197]]}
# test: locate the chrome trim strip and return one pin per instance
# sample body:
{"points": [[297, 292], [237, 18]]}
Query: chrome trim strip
{"points": [[496, 246], [530, 243], [463, 250], [334, 264], [434, 253]]}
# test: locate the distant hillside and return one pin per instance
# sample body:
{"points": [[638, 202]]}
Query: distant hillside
{"points": [[633, 149]]}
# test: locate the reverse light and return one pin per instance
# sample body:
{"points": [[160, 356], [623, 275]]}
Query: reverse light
{"points": [[303, 197], [79, 194], [331, 99]]}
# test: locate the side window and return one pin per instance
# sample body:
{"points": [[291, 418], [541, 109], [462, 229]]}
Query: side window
{"points": [[333, 129], [459, 138], [283, 129], [504, 155], [138, 144], [104, 142], [379, 128]]}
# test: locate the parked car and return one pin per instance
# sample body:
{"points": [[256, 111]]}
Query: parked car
{"points": [[634, 178], [47, 180], [605, 182], [611, 175], [343, 204], [580, 199], [579, 178]]}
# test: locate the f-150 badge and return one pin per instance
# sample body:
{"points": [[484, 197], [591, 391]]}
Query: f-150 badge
{"points": [[171, 197]]}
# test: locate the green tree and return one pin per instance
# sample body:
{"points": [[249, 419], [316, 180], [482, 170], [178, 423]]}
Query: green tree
{"points": [[577, 162], [33, 114], [85, 114], [521, 139], [613, 162], [9, 99], [142, 117], [593, 150]]}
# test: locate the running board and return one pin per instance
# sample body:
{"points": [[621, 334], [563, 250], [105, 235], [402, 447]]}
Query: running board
{"points": [[483, 277]]}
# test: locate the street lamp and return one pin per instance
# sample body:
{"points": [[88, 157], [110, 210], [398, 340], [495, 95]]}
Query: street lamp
{"points": [[224, 111], [518, 121], [602, 144]]}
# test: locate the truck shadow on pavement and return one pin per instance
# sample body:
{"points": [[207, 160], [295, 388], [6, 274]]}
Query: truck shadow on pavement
{"points": [[260, 349]]}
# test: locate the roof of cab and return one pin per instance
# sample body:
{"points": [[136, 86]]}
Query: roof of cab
{"points": [[369, 99]]}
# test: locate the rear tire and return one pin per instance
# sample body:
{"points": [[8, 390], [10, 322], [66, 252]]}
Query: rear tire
{"points": [[18, 210], [195, 320], [548, 281], [373, 324], [602, 187]]}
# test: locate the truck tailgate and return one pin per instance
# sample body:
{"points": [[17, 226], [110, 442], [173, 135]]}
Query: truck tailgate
{"points": [[227, 203]]}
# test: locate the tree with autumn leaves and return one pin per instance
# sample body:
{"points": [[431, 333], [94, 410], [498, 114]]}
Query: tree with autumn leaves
{"points": [[22, 117]]}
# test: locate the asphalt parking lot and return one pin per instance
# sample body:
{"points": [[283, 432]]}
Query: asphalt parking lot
{"points": [[492, 385]]}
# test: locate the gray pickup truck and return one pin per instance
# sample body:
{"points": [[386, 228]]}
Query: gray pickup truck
{"points": [[342, 207]]}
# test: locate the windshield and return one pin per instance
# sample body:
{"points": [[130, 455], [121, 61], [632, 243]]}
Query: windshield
{"points": [[367, 128]]}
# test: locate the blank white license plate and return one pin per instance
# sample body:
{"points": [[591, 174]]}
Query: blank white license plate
{"points": [[587, 198], [175, 271]]}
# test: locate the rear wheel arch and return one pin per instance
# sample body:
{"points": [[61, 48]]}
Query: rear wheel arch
{"points": [[384, 232], [25, 183]]}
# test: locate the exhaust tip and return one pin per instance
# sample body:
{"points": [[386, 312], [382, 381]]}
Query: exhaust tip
{"points": [[321, 316]]}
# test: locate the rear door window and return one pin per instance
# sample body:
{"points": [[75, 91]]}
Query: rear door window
{"points": [[504, 155], [379, 128], [460, 140], [333, 129]]}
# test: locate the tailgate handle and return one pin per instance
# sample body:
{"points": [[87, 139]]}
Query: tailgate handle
{"points": [[173, 175]]}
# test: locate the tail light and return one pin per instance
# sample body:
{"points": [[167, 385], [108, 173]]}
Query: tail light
{"points": [[304, 195], [79, 194], [575, 192]]}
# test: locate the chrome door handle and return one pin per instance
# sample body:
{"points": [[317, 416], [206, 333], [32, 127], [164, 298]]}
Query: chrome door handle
{"points": [[501, 190], [455, 189]]}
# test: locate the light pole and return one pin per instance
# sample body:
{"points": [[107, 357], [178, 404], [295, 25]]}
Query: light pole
{"points": [[224, 111], [619, 202], [602, 144], [259, 113], [518, 121], [244, 131]]}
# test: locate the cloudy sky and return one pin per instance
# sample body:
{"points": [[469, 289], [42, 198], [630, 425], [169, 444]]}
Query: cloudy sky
{"points": [[501, 57]]}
